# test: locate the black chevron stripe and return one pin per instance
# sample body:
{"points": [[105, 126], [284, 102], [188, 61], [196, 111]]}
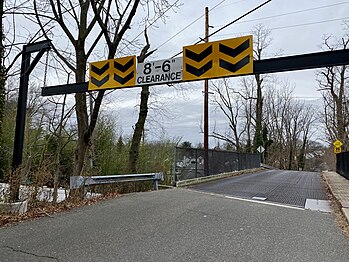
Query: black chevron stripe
{"points": [[99, 83], [198, 71], [198, 57], [234, 51], [124, 68], [100, 71], [123, 80], [234, 67]]}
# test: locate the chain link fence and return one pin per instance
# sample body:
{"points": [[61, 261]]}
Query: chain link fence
{"points": [[190, 162], [342, 165]]}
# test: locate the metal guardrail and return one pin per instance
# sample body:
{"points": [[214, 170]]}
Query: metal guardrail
{"points": [[80, 181]]}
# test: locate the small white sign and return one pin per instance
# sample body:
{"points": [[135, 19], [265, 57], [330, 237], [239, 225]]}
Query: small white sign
{"points": [[159, 72], [260, 149]]}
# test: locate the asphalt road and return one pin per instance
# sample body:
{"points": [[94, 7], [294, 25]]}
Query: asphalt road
{"points": [[279, 186], [177, 225]]}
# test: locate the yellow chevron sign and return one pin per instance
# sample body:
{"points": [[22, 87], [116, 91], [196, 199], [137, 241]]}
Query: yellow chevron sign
{"points": [[223, 58], [113, 73]]}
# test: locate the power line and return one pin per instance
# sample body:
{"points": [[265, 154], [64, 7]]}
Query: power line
{"points": [[190, 24], [237, 19], [311, 23], [292, 26], [232, 3], [291, 13], [229, 24], [169, 8]]}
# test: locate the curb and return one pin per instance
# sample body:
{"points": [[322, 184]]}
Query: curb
{"points": [[20, 207], [199, 180], [339, 188]]}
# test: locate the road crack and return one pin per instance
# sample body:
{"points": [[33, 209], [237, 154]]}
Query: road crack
{"points": [[29, 253]]}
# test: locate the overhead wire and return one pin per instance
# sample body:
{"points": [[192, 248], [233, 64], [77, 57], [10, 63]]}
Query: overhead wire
{"points": [[160, 16], [236, 20], [292, 26], [229, 24], [311, 23], [263, 18], [190, 24], [292, 13]]}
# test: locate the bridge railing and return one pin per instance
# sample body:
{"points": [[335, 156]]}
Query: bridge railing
{"points": [[189, 163], [342, 165], [80, 181]]}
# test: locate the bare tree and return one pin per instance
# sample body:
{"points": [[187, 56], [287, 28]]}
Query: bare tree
{"points": [[262, 41], [231, 104], [85, 24], [2, 68], [290, 123], [277, 107], [307, 122], [249, 99], [333, 85]]}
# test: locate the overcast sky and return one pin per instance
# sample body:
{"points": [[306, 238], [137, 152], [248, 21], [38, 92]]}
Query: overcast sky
{"points": [[296, 26]]}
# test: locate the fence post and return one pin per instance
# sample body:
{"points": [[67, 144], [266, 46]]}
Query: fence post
{"points": [[156, 185], [196, 163], [239, 161], [175, 164]]}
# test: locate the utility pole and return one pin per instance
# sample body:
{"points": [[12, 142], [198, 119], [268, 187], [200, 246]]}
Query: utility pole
{"points": [[206, 160]]}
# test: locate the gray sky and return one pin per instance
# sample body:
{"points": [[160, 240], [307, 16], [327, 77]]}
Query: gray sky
{"points": [[296, 26]]}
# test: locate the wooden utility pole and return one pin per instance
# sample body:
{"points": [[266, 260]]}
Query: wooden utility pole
{"points": [[206, 161]]}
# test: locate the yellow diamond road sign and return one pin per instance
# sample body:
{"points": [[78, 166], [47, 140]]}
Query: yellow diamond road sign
{"points": [[337, 143], [113, 73], [337, 150], [223, 58]]}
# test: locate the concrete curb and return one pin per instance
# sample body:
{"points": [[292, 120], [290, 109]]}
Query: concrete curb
{"points": [[199, 180], [339, 187], [20, 207]]}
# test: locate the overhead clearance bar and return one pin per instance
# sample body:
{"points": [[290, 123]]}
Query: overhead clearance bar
{"points": [[212, 60]]}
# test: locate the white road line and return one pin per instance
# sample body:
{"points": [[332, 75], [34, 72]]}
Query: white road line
{"points": [[264, 203], [246, 200]]}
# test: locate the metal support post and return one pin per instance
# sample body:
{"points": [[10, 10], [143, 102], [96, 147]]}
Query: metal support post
{"points": [[26, 69], [156, 185]]}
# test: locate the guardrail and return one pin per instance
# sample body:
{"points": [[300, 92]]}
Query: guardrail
{"points": [[80, 181]]}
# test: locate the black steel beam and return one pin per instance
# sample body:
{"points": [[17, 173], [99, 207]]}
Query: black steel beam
{"points": [[64, 89], [26, 68], [265, 66], [35, 61], [35, 47], [301, 62], [21, 112]]}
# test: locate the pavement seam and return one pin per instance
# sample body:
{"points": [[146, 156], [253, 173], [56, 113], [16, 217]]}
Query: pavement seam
{"points": [[28, 253]]}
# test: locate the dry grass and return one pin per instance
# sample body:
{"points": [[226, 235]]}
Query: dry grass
{"points": [[44, 209]]}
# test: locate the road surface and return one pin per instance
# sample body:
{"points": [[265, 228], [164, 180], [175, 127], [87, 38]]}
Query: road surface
{"points": [[279, 186], [177, 225]]}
